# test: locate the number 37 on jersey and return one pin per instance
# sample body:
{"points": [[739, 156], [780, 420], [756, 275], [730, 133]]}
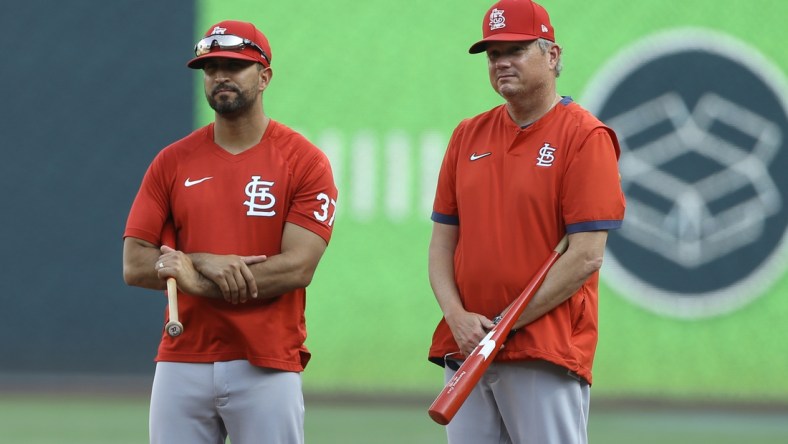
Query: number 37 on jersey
{"points": [[328, 208]]}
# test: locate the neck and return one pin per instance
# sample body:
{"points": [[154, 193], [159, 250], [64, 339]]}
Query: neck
{"points": [[237, 134], [528, 111]]}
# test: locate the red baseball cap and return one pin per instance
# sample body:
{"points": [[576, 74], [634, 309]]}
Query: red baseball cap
{"points": [[514, 21], [233, 40]]}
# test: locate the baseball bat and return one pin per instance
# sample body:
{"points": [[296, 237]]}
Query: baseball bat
{"points": [[174, 328], [456, 391]]}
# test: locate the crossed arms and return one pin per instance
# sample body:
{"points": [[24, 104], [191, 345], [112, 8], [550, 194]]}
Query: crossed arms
{"points": [[231, 277]]}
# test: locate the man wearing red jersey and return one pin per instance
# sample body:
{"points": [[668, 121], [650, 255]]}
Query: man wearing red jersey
{"points": [[513, 182], [249, 204]]}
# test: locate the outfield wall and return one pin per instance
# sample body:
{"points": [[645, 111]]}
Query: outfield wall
{"points": [[92, 90], [694, 286]]}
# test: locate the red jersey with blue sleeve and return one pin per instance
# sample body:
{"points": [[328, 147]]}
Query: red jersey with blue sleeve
{"points": [[222, 203], [514, 192]]}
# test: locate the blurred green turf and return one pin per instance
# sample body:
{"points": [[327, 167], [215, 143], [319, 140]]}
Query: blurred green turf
{"points": [[88, 420]]}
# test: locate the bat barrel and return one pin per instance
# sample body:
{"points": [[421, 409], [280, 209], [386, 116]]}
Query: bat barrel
{"points": [[445, 405], [462, 383], [439, 417]]}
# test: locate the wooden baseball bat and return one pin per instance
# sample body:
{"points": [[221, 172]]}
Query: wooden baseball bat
{"points": [[174, 328], [456, 391]]}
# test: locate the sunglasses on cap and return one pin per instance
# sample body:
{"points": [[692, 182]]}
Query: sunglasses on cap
{"points": [[226, 41]]}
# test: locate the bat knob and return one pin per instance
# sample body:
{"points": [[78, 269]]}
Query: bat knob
{"points": [[174, 328]]}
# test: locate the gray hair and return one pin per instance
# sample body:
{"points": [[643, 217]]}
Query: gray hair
{"points": [[544, 46]]}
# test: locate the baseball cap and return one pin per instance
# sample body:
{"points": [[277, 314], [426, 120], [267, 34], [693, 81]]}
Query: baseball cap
{"points": [[234, 40], [514, 21]]}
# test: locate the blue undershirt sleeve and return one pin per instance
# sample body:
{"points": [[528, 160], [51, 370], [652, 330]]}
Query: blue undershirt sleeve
{"points": [[445, 219], [594, 225]]}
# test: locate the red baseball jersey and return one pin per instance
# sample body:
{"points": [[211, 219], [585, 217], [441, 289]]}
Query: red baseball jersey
{"points": [[222, 203], [514, 192]]}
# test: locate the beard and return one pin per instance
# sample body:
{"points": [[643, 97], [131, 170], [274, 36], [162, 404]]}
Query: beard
{"points": [[225, 105]]}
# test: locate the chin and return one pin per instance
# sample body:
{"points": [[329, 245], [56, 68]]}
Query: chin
{"points": [[509, 91]]}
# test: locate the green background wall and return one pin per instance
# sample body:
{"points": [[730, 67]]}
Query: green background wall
{"points": [[380, 86]]}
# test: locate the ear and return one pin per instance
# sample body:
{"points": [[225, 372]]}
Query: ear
{"points": [[554, 54], [265, 75]]}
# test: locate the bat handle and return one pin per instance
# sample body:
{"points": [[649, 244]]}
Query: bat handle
{"points": [[174, 327]]}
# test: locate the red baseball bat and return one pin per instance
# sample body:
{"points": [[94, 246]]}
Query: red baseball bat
{"points": [[461, 384]]}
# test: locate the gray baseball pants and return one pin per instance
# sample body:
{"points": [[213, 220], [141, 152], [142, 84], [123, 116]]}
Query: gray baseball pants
{"points": [[203, 403], [523, 402]]}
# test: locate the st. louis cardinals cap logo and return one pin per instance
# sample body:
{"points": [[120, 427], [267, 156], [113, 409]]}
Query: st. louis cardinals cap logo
{"points": [[703, 168], [497, 20]]}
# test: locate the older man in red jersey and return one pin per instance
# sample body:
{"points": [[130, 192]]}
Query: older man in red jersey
{"points": [[514, 181]]}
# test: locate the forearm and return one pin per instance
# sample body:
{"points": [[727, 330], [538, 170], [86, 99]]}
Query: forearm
{"points": [[276, 276], [139, 264], [466, 327], [441, 275], [561, 282], [443, 245], [566, 276], [140, 260], [281, 274]]}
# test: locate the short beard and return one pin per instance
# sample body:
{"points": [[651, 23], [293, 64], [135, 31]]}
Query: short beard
{"points": [[227, 107]]}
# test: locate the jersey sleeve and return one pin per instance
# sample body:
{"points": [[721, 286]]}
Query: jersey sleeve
{"points": [[592, 198], [314, 202], [444, 208], [151, 207]]}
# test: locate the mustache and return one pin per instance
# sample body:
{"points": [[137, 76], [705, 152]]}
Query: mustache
{"points": [[220, 88]]}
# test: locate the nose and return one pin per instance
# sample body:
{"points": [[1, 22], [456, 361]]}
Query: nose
{"points": [[503, 62], [221, 74]]}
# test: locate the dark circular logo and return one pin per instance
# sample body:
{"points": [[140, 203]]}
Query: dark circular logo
{"points": [[702, 122]]}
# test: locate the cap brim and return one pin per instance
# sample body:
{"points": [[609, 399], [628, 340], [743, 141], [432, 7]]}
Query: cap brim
{"points": [[481, 45], [198, 62]]}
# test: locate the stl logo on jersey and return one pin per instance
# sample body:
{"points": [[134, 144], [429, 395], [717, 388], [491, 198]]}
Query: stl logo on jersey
{"points": [[497, 20], [260, 198], [546, 157]]}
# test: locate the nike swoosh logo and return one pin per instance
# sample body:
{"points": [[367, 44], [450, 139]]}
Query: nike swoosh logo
{"points": [[475, 157], [190, 183]]}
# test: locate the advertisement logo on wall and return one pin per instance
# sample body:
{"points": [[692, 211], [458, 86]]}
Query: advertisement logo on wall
{"points": [[703, 125]]}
